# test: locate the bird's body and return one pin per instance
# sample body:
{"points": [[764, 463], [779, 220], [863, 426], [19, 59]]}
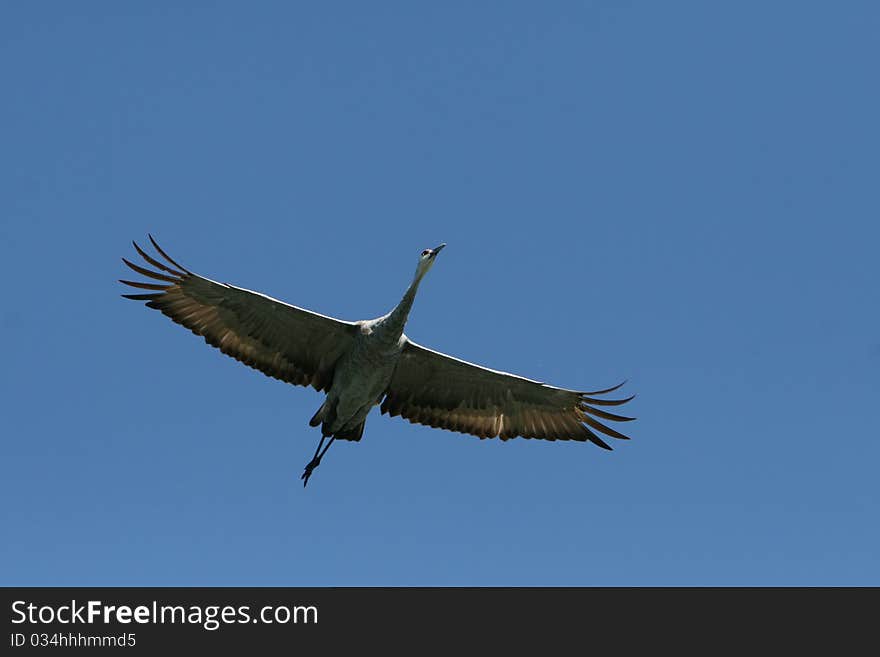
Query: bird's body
{"points": [[361, 377], [363, 364]]}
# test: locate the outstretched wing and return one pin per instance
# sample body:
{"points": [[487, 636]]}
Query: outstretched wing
{"points": [[282, 341], [441, 391]]}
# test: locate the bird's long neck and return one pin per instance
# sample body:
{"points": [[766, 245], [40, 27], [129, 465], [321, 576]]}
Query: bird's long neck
{"points": [[396, 320]]}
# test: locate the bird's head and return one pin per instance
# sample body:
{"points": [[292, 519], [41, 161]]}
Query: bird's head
{"points": [[426, 260]]}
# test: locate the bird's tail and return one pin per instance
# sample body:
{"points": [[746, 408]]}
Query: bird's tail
{"points": [[326, 416], [351, 434]]}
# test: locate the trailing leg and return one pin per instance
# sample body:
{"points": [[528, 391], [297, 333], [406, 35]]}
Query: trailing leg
{"points": [[316, 459]]}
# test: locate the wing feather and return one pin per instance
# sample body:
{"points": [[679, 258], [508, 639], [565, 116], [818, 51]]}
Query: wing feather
{"points": [[282, 341], [437, 390]]}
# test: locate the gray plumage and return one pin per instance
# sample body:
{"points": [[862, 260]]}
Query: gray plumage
{"points": [[363, 364]]}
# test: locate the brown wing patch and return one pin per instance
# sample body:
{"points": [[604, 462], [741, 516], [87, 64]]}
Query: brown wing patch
{"points": [[439, 391], [284, 342]]}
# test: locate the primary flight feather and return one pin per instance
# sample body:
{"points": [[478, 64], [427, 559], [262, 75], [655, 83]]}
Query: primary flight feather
{"points": [[362, 364]]}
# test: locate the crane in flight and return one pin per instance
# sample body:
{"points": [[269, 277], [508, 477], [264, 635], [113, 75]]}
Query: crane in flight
{"points": [[369, 362]]}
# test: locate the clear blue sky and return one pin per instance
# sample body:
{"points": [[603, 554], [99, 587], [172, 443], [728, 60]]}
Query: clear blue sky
{"points": [[682, 194]]}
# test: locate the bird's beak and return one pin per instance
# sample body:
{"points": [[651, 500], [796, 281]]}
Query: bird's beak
{"points": [[438, 249]]}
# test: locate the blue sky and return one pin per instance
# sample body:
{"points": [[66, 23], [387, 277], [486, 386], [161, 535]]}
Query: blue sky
{"points": [[680, 194]]}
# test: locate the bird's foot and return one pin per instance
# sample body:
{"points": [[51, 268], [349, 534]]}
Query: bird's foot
{"points": [[310, 466]]}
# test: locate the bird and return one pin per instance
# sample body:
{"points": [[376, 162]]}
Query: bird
{"points": [[367, 363]]}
